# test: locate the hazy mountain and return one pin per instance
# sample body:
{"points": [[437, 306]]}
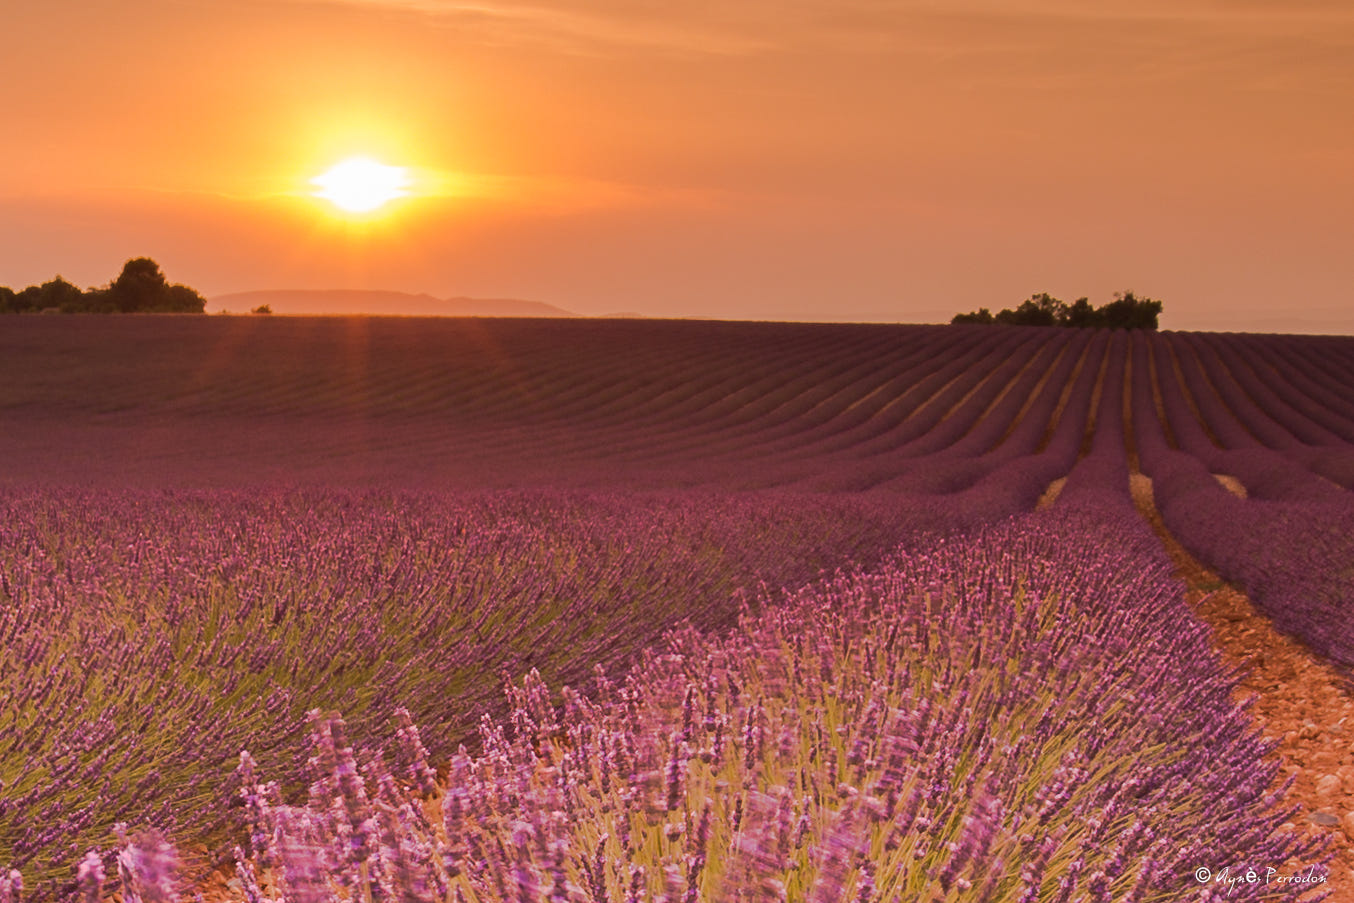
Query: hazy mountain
{"points": [[357, 301]]}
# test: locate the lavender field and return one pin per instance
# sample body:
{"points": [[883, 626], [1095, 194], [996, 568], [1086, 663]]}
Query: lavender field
{"points": [[358, 609]]}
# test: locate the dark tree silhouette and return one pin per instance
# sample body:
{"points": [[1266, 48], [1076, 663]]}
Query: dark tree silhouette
{"points": [[1080, 315], [57, 294], [1037, 310], [141, 287], [982, 316], [1126, 311], [1129, 312], [138, 287]]}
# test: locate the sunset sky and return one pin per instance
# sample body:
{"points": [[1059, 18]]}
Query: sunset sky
{"points": [[795, 159]]}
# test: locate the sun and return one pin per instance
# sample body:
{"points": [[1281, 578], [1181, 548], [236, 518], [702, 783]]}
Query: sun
{"points": [[361, 185]]}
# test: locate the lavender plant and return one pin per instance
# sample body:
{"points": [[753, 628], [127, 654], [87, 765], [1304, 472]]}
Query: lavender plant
{"points": [[988, 752], [1010, 717], [1289, 549], [150, 637]]}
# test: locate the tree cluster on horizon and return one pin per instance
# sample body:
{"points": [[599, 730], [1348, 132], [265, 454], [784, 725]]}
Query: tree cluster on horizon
{"points": [[140, 288], [1126, 311]]}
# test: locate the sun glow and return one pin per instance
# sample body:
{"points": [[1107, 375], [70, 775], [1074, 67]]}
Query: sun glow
{"points": [[361, 185]]}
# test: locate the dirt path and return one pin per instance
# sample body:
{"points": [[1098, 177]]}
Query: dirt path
{"points": [[1301, 700]]}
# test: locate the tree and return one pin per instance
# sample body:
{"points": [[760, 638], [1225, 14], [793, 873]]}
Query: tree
{"points": [[57, 294], [981, 316], [181, 299], [1126, 311], [138, 287], [1080, 314], [141, 287], [1038, 310]]}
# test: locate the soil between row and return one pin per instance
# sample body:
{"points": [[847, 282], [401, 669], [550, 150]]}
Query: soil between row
{"points": [[1299, 699]]}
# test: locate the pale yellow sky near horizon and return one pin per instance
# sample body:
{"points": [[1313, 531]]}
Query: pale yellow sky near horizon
{"points": [[809, 159]]}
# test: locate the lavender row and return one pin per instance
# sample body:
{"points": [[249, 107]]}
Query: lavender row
{"points": [[1044, 377], [1317, 436], [1013, 429], [827, 411], [1028, 714], [737, 404], [953, 470], [1227, 447], [1303, 449], [152, 636], [1273, 396], [1299, 380], [791, 439], [1291, 556], [860, 458], [1314, 368], [828, 456], [1236, 395], [1026, 477], [974, 399], [1100, 477], [711, 437]]}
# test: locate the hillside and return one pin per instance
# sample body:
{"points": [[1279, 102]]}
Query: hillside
{"points": [[384, 303], [946, 475], [236, 400]]}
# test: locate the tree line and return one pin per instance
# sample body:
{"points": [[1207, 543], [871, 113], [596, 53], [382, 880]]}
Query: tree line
{"points": [[1126, 311], [140, 288]]}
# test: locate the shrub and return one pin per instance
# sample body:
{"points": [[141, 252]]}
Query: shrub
{"points": [[1126, 311]]}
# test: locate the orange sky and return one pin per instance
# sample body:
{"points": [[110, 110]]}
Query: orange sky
{"points": [[786, 159]]}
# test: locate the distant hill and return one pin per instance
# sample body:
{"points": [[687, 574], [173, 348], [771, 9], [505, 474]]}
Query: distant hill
{"points": [[357, 301]]}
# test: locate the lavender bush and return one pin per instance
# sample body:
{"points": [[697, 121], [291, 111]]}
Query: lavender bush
{"points": [[1023, 711], [150, 636], [1290, 548], [1020, 716]]}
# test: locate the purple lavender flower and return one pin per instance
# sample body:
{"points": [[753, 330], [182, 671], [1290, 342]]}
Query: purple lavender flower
{"points": [[147, 864], [11, 887], [90, 875]]}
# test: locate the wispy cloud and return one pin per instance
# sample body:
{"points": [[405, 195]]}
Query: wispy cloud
{"points": [[951, 27], [590, 27]]}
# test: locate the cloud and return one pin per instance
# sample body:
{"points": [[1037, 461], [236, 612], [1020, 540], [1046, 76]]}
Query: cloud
{"points": [[944, 27], [582, 27]]}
